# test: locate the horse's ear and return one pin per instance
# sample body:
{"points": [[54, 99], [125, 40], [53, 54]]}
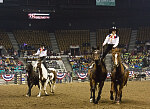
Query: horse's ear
{"points": [[93, 48], [97, 47], [120, 50], [113, 50]]}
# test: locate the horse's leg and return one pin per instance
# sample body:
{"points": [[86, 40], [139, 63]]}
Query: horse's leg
{"points": [[116, 91], [28, 90], [40, 84], [53, 86], [49, 85], [101, 84], [120, 96], [91, 97], [45, 85], [93, 90], [112, 90], [31, 85], [119, 93]]}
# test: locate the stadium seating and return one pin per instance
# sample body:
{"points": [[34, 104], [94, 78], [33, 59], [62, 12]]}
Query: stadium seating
{"points": [[143, 34], [65, 38], [32, 37], [5, 41]]}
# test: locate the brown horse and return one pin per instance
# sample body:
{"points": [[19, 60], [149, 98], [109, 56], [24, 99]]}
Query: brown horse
{"points": [[119, 76], [97, 74], [32, 78]]}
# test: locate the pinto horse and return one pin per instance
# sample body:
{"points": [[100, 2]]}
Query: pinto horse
{"points": [[52, 79], [119, 76], [32, 78], [43, 76], [97, 74]]}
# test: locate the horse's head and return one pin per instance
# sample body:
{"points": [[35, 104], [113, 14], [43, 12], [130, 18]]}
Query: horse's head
{"points": [[116, 56], [29, 68], [34, 64], [95, 54], [39, 64]]}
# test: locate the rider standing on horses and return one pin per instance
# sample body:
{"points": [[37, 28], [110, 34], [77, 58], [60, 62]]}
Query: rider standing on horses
{"points": [[112, 41], [42, 53]]}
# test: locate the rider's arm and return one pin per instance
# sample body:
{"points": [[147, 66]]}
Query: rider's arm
{"points": [[38, 52], [116, 43]]}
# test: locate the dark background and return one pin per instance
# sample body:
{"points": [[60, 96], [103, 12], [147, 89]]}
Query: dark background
{"points": [[74, 14]]}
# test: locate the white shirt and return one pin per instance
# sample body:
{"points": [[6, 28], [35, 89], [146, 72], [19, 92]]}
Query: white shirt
{"points": [[41, 52], [112, 39]]}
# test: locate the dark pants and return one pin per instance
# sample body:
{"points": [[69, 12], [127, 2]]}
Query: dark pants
{"points": [[109, 47], [44, 61]]}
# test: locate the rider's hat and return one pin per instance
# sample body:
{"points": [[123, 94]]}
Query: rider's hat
{"points": [[113, 29], [42, 44]]}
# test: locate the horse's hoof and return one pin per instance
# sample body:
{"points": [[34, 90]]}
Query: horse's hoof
{"points": [[96, 102], [117, 102], [52, 93], [111, 98], [46, 95], [91, 100], [38, 96], [27, 96]]}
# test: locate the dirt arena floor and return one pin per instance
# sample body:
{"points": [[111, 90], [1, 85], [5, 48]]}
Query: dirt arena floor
{"points": [[74, 96]]}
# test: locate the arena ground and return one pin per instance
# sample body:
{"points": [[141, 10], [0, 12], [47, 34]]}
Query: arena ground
{"points": [[74, 96]]}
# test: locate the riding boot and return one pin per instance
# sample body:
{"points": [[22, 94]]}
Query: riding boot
{"points": [[109, 47]]}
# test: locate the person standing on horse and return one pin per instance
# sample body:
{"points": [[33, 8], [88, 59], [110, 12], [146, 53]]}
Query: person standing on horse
{"points": [[42, 53], [112, 41]]}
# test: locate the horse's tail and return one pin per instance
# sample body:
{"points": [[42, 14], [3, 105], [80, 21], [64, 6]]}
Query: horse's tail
{"points": [[55, 76]]}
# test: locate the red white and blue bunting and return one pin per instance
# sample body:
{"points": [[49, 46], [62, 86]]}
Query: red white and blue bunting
{"points": [[131, 73], [61, 75], [82, 75], [108, 75], [148, 73], [8, 77]]}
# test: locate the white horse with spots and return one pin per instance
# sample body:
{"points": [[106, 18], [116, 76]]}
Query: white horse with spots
{"points": [[43, 75], [52, 79]]}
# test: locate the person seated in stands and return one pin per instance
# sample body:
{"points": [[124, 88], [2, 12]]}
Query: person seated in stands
{"points": [[42, 53]]}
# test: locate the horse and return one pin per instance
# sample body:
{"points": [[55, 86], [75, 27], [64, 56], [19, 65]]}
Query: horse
{"points": [[43, 76], [97, 74], [32, 78], [52, 79], [119, 76]]}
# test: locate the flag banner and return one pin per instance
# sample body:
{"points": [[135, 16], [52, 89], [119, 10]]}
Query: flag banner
{"points": [[131, 73], [108, 75], [8, 77], [61, 75], [82, 75], [105, 2], [148, 73]]}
